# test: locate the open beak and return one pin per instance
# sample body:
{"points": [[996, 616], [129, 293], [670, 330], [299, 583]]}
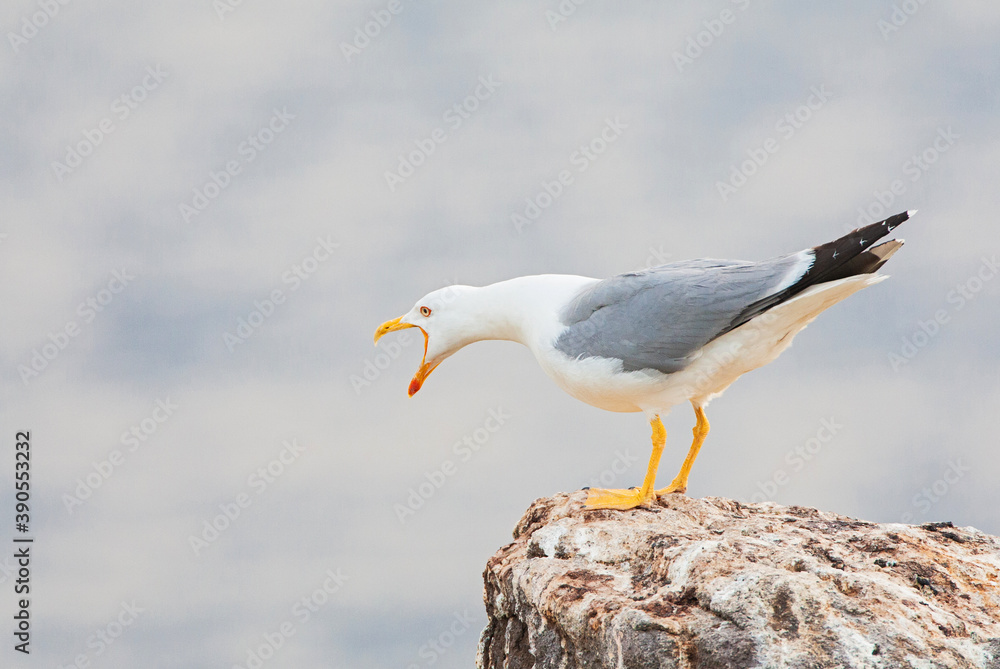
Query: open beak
{"points": [[391, 326], [425, 368], [422, 373]]}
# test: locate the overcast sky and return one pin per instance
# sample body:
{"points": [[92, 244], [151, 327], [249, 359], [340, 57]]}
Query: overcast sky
{"points": [[208, 208]]}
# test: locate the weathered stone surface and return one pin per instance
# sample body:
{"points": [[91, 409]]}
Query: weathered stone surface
{"points": [[712, 583]]}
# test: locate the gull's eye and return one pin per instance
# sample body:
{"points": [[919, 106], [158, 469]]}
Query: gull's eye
{"points": [[425, 311]]}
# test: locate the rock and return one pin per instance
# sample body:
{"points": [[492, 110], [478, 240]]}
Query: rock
{"points": [[712, 583]]}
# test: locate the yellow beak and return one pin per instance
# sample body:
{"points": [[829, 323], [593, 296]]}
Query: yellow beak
{"points": [[422, 373], [425, 369], [391, 326]]}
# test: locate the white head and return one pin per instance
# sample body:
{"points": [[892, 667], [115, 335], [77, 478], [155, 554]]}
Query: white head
{"points": [[447, 322]]}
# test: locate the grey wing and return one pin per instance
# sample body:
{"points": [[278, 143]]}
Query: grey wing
{"points": [[659, 318]]}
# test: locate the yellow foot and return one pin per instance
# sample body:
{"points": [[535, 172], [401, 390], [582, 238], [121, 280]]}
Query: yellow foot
{"points": [[602, 498], [675, 486]]}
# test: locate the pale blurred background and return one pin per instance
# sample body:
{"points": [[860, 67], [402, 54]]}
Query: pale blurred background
{"points": [[234, 371]]}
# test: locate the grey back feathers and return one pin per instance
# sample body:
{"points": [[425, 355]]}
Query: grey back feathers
{"points": [[661, 317], [657, 318]]}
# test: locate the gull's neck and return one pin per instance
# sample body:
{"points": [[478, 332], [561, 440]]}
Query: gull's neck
{"points": [[525, 309]]}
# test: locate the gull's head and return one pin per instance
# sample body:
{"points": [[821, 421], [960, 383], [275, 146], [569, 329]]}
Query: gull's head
{"points": [[446, 326]]}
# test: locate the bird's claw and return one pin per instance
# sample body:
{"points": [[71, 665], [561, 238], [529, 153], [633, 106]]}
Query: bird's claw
{"points": [[674, 487], [603, 498]]}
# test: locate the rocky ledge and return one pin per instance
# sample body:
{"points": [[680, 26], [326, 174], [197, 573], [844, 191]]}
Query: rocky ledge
{"points": [[713, 583]]}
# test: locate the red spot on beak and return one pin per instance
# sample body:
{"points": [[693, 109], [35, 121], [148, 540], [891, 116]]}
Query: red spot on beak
{"points": [[425, 368], [421, 376]]}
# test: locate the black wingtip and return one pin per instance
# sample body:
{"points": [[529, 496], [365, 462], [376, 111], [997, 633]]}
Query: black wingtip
{"points": [[891, 223], [836, 259], [873, 232], [849, 255]]}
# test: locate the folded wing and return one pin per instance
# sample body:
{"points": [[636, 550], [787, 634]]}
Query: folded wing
{"points": [[660, 318]]}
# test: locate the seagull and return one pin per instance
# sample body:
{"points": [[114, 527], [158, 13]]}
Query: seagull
{"points": [[649, 340]]}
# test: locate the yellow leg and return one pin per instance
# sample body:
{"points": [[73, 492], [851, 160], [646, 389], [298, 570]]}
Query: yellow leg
{"points": [[680, 482], [601, 498]]}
